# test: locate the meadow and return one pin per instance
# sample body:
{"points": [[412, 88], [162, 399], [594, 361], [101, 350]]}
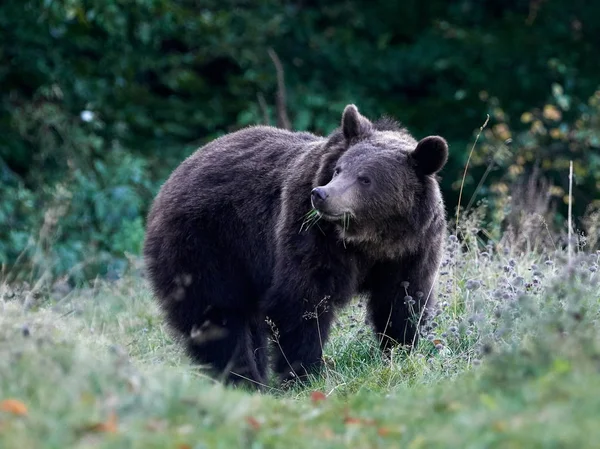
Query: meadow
{"points": [[511, 360], [100, 101]]}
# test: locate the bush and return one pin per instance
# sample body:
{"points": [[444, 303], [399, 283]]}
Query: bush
{"points": [[526, 162]]}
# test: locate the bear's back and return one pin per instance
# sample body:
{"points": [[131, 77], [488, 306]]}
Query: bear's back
{"points": [[236, 168], [229, 192]]}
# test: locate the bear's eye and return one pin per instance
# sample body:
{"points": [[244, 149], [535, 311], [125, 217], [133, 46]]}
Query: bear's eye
{"points": [[364, 180], [337, 171]]}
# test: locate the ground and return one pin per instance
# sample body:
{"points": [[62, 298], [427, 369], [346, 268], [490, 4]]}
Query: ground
{"points": [[511, 362]]}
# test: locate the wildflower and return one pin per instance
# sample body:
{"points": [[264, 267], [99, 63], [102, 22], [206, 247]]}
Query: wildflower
{"points": [[519, 280]]}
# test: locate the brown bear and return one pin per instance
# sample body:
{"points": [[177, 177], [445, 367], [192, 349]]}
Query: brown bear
{"points": [[265, 231]]}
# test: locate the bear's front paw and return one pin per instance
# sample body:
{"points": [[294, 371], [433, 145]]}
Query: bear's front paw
{"points": [[298, 373]]}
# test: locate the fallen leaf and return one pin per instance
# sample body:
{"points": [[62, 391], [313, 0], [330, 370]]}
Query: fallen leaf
{"points": [[13, 406], [359, 421], [253, 422], [317, 396], [109, 426], [383, 431], [351, 420]]}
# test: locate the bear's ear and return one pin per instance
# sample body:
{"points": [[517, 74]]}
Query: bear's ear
{"points": [[354, 125], [431, 155]]}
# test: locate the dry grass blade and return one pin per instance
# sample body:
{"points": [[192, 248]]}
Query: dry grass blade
{"points": [[467, 167], [570, 230]]}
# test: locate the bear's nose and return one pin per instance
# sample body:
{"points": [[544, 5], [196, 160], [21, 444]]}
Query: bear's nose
{"points": [[318, 195]]}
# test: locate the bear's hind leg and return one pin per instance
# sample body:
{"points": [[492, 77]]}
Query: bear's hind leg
{"points": [[226, 347]]}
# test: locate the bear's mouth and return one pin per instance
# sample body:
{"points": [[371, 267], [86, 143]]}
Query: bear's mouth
{"points": [[325, 215], [330, 217]]}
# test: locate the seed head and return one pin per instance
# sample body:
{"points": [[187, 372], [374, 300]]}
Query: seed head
{"points": [[473, 284]]}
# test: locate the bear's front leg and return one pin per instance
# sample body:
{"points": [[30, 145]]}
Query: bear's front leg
{"points": [[299, 331], [402, 297]]}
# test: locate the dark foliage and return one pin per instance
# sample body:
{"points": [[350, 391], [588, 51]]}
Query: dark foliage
{"points": [[101, 99]]}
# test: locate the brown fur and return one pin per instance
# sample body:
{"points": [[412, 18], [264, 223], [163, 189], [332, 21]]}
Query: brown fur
{"points": [[226, 247]]}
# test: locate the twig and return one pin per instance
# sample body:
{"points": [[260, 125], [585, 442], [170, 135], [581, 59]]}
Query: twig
{"points": [[255, 382], [282, 118], [263, 108], [467, 167]]}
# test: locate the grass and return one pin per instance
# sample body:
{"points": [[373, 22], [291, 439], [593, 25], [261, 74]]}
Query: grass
{"points": [[512, 360]]}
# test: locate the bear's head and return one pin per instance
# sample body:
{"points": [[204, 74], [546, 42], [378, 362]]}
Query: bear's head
{"points": [[381, 180]]}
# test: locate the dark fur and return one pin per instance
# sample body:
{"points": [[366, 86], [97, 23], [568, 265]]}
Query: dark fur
{"points": [[224, 248]]}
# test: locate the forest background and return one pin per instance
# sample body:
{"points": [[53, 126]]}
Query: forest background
{"points": [[100, 100]]}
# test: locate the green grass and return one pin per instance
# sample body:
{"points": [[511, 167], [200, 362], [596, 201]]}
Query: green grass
{"points": [[513, 360]]}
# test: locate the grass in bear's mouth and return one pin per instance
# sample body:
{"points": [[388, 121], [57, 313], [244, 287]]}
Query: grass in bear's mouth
{"points": [[311, 218], [510, 361]]}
